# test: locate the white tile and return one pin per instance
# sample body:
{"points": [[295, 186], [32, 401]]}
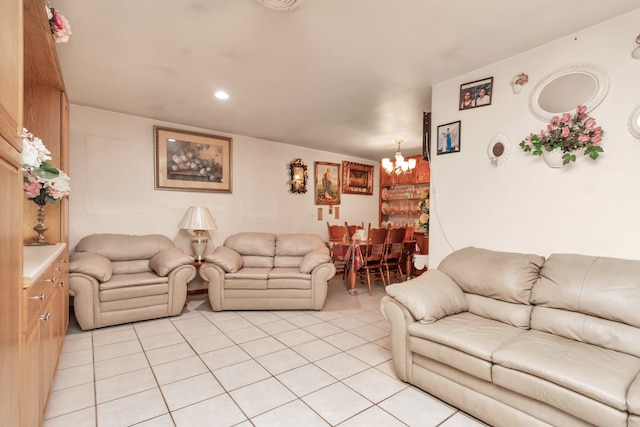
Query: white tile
{"points": [[241, 374], [82, 342], [259, 318], [370, 317], [323, 329], [110, 351], [262, 396], [233, 324], [154, 327], [75, 358], [371, 354], [347, 323], [169, 353], [389, 369], [220, 411], [191, 390], [281, 361], [120, 365], [293, 414], [262, 346], [115, 337], [111, 329], [161, 340], [373, 417], [294, 337], [414, 407], [82, 418], [279, 326], [207, 344], [224, 357], [460, 419], [304, 320], [70, 377], [179, 370], [161, 421], [316, 350], [336, 403], [370, 332], [374, 385], [242, 335], [70, 400], [124, 385], [345, 340], [199, 331], [306, 379], [341, 365], [132, 409]]}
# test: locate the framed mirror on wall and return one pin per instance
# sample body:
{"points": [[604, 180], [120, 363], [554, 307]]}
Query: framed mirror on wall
{"points": [[562, 90]]}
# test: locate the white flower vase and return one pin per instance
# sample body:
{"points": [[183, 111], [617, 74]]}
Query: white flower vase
{"points": [[516, 88], [553, 158]]}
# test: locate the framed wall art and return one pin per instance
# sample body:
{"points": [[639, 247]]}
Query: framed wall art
{"points": [[426, 136], [357, 178], [475, 94], [327, 186], [192, 161], [449, 138]]}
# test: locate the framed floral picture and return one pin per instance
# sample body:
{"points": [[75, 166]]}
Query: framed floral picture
{"points": [[449, 138], [192, 161], [475, 94], [357, 178], [327, 188]]}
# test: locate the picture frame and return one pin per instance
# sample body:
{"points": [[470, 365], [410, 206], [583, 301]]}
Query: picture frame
{"points": [[357, 178], [327, 183], [426, 136], [476, 94], [449, 138], [192, 161]]}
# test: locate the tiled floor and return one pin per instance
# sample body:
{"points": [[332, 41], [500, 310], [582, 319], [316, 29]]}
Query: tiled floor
{"points": [[245, 368]]}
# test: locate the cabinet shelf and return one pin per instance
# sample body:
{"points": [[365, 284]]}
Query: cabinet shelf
{"points": [[400, 194]]}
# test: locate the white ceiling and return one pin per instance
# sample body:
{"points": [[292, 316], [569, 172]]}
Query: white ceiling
{"points": [[346, 76]]}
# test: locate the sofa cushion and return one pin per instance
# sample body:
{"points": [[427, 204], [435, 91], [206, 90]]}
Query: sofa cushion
{"points": [[165, 261], [518, 315], [252, 243], [599, 373], [225, 258], [134, 279], [633, 396], [430, 296], [92, 264], [608, 288], [124, 247], [248, 273], [500, 275], [315, 258]]}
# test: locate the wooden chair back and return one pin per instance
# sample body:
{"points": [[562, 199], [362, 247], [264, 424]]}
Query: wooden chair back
{"points": [[376, 239], [336, 233], [353, 228]]}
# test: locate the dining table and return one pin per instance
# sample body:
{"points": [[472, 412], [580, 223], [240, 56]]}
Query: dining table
{"points": [[352, 253]]}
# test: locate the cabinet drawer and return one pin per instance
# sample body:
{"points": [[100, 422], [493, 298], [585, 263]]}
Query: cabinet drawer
{"points": [[37, 298]]}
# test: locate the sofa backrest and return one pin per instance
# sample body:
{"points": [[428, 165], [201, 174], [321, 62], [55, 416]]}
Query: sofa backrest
{"points": [[256, 249], [590, 299], [291, 248], [498, 284], [127, 253]]}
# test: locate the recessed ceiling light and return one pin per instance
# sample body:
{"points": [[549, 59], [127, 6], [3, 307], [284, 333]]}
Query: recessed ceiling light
{"points": [[220, 94]]}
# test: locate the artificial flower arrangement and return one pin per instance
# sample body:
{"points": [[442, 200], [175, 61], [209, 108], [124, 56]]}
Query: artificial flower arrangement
{"points": [[60, 27], [521, 79], [43, 182], [422, 222], [568, 133]]}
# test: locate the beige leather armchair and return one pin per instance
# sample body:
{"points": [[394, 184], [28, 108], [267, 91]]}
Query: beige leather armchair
{"points": [[118, 278]]}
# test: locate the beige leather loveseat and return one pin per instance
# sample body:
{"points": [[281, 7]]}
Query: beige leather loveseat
{"points": [[517, 340], [264, 271], [117, 278]]}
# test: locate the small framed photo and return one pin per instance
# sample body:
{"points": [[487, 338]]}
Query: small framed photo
{"points": [[426, 136], [476, 94], [357, 178], [192, 161], [327, 189], [449, 138]]}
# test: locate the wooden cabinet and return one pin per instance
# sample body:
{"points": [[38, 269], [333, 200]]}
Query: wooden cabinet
{"points": [[400, 194], [46, 317]]}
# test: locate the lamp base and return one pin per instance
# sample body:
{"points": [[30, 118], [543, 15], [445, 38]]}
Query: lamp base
{"points": [[199, 243]]}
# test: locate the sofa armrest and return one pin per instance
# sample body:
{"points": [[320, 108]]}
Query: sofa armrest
{"points": [[168, 259], [91, 264], [430, 297], [399, 319], [226, 258], [315, 258]]}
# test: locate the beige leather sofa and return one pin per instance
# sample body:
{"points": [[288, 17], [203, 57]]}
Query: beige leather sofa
{"points": [[517, 340], [117, 278], [264, 271]]}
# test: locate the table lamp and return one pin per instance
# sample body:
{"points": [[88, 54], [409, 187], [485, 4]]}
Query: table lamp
{"points": [[198, 219]]}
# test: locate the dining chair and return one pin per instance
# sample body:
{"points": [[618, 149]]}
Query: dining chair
{"points": [[336, 233], [353, 228], [374, 253], [394, 250], [337, 241]]}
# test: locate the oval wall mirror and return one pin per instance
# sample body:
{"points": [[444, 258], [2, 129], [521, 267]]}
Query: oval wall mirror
{"points": [[634, 122], [565, 88]]}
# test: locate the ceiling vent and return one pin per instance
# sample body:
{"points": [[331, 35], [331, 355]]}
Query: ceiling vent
{"points": [[280, 5]]}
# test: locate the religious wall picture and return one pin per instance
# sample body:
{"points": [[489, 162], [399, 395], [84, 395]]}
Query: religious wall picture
{"points": [[476, 94], [327, 185], [192, 161], [449, 138], [357, 178]]}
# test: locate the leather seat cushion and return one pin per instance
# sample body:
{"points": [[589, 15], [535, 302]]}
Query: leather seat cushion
{"points": [[133, 279]]}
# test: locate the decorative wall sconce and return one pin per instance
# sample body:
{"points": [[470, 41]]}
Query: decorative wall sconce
{"points": [[298, 176], [498, 149], [635, 54], [518, 81]]}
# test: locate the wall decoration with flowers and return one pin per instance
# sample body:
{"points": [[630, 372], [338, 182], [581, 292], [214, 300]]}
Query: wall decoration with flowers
{"points": [[60, 28]]}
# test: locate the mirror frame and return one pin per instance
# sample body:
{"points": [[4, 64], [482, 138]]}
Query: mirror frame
{"points": [[634, 122], [299, 176], [499, 138], [602, 88]]}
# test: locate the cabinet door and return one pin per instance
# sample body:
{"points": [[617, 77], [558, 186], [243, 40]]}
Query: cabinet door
{"points": [[11, 70], [423, 172]]}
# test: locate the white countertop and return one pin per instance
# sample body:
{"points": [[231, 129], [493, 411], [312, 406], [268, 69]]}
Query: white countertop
{"points": [[36, 259]]}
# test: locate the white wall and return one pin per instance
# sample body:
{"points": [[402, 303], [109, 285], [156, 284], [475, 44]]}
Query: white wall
{"points": [[524, 206], [112, 172]]}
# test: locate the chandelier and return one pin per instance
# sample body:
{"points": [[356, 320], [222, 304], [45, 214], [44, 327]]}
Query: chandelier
{"points": [[401, 165]]}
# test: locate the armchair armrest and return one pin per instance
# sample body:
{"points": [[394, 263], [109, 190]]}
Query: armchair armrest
{"points": [[226, 258], [91, 264], [315, 258], [168, 259], [430, 297]]}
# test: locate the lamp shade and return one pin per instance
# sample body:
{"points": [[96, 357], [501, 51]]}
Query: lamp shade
{"points": [[198, 218]]}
